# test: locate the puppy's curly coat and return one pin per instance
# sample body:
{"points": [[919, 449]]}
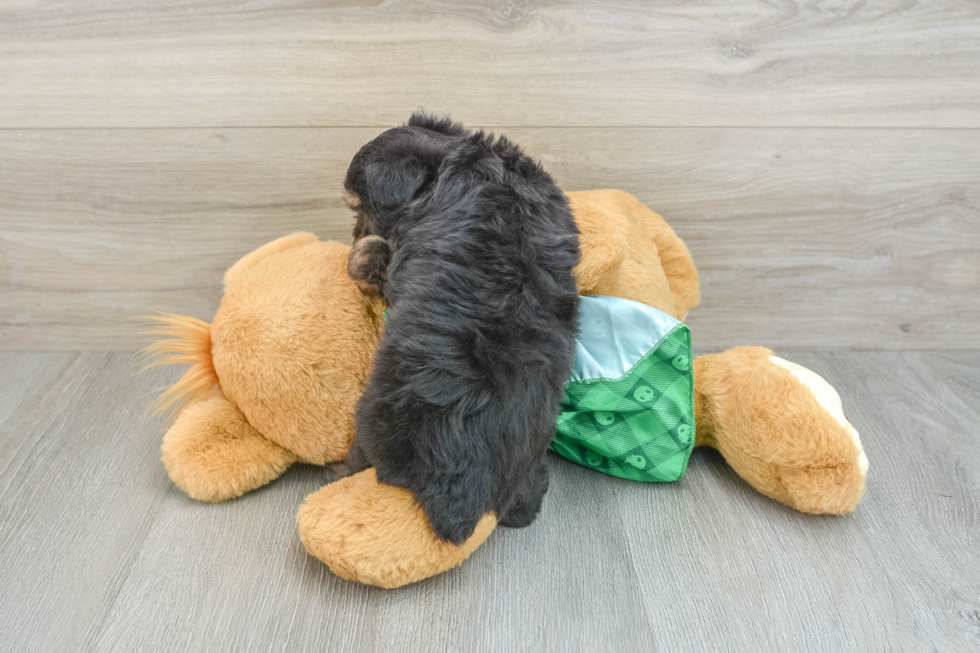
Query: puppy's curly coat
{"points": [[472, 246]]}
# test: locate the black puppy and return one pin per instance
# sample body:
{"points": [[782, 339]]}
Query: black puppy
{"points": [[472, 246]]}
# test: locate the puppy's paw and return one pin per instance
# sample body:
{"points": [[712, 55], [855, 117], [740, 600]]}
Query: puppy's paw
{"points": [[367, 264]]}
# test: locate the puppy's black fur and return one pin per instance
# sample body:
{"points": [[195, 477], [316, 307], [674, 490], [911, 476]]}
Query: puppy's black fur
{"points": [[472, 245]]}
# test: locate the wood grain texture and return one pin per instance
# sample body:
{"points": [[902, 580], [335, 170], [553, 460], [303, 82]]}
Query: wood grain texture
{"points": [[819, 238], [102, 553], [122, 63]]}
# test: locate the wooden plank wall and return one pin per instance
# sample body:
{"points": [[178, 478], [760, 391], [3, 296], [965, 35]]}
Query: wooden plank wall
{"points": [[822, 160]]}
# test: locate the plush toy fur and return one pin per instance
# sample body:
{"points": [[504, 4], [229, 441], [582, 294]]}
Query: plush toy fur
{"points": [[292, 345], [348, 516], [290, 302]]}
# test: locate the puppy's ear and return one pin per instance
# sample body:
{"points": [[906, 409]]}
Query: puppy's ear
{"points": [[440, 125], [391, 183], [367, 264], [456, 494]]}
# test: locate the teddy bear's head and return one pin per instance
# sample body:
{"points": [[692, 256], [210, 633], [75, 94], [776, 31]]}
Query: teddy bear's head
{"points": [[275, 376], [292, 345]]}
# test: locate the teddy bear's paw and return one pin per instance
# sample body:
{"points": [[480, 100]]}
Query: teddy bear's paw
{"points": [[377, 534], [213, 454], [829, 400], [782, 428], [828, 475]]}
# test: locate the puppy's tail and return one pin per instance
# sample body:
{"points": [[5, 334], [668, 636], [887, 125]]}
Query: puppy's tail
{"points": [[181, 340]]}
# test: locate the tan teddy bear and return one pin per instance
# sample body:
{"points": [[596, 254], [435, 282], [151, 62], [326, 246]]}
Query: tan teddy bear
{"points": [[274, 379]]}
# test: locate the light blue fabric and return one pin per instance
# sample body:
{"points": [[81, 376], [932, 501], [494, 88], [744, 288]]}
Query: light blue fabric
{"points": [[614, 334]]}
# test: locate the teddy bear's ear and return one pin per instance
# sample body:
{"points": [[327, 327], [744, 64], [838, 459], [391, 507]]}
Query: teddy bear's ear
{"points": [[213, 454], [252, 259], [600, 254]]}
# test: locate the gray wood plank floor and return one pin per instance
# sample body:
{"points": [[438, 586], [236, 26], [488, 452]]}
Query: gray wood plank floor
{"points": [[101, 553]]}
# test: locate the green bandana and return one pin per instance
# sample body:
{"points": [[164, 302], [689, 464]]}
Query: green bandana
{"points": [[629, 405]]}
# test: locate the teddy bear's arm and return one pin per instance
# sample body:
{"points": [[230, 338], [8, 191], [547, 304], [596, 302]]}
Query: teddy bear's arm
{"points": [[601, 254], [602, 240], [378, 534], [213, 453], [682, 275]]}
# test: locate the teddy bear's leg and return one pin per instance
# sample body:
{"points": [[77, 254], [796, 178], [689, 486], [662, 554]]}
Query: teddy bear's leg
{"points": [[212, 453], [781, 427], [526, 504], [378, 534]]}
